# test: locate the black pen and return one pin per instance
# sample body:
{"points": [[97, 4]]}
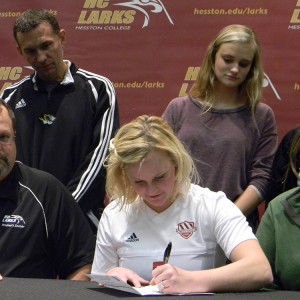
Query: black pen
{"points": [[167, 253]]}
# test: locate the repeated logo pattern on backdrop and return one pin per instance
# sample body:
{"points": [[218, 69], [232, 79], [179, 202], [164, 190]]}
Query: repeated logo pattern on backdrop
{"points": [[106, 15], [152, 49]]}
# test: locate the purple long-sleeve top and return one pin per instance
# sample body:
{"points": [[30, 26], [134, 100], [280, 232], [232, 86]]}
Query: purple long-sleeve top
{"points": [[231, 149]]}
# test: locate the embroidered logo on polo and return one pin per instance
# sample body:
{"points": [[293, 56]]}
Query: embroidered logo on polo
{"points": [[132, 238], [186, 229], [15, 221], [47, 119]]}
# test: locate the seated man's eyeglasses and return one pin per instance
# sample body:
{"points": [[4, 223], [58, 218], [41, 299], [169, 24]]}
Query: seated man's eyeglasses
{"points": [[6, 139]]}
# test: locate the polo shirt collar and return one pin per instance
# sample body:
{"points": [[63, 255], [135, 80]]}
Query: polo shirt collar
{"points": [[68, 79]]}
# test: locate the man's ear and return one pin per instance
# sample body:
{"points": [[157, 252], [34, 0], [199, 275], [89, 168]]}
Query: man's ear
{"points": [[62, 36]]}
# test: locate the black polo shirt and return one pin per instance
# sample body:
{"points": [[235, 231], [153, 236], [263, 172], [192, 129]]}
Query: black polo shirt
{"points": [[43, 232]]}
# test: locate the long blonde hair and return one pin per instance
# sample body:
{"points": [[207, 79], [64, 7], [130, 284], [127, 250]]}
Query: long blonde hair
{"points": [[132, 143], [251, 88]]}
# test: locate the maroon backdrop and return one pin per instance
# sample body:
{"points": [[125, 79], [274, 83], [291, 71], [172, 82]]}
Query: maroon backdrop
{"points": [[151, 49]]}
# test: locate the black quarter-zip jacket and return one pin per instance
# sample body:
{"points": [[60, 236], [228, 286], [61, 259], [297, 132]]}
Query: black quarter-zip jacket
{"points": [[65, 130]]}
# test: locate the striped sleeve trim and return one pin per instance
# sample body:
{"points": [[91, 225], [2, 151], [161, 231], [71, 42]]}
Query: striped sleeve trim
{"points": [[100, 151], [12, 88]]}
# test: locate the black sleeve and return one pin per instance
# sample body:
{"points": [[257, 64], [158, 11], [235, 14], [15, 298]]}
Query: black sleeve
{"points": [[89, 191], [71, 241], [280, 167]]}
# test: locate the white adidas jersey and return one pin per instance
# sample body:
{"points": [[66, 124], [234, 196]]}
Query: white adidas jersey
{"points": [[199, 227]]}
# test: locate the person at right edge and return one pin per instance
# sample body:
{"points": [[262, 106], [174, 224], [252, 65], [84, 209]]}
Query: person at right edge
{"points": [[231, 135], [285, 173], [279, 236], [279, 229]]}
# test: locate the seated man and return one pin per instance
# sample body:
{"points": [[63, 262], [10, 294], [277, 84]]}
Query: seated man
{"points": [[43, 232]]}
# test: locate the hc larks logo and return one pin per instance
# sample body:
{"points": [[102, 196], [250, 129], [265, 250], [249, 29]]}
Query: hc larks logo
{"points": [[139, 5], [13, 221], [107, 15], [186, 229]]}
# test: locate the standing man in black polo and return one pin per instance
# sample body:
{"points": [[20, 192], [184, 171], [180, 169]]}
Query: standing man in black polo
{"points": [[66, 115], [43, 232]]}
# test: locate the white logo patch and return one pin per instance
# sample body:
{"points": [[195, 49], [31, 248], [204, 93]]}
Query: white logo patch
{"points": [[13, 221], [47, 119], [21, 103]]}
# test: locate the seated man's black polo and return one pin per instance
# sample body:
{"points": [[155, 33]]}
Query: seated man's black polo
{"points": [[43, 232]]}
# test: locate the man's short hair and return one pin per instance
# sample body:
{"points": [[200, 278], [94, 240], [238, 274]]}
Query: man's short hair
{"points": [[31, 18]]}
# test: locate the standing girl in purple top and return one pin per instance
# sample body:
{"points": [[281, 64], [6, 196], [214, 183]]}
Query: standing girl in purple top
{"points": [[231, 135]]}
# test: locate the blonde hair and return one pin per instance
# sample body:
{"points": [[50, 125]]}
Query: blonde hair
{"points": [[251, 88], [132, 143]]}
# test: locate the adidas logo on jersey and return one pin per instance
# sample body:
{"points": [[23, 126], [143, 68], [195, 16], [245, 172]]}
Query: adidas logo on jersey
{"points": [[132, 238], [21, 103]]}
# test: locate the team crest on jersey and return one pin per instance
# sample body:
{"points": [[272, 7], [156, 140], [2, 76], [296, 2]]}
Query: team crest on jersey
{"points": [[186, 229], [47, 119]]}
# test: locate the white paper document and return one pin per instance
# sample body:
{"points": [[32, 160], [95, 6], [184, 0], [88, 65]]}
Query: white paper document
{"points": [[116, 283]]}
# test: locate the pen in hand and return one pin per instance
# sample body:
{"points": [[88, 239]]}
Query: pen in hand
{"points": [[167, 253]]}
